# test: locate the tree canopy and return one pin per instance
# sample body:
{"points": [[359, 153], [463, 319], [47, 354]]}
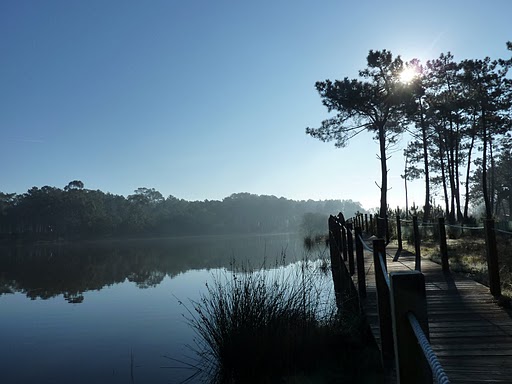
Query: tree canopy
{"points": [[458, 114], [463, 120], [76, 212], [374, 102]]}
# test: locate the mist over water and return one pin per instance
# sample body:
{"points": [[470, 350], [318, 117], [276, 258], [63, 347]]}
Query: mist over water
{"points": [[108, 312]]}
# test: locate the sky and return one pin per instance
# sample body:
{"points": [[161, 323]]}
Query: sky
{"points": [[202, 99]]}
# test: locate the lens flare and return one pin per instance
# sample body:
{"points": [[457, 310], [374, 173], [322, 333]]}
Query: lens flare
{"points": [[408, 75]]}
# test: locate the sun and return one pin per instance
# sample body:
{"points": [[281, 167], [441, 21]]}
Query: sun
{"points": [[408, 74]]}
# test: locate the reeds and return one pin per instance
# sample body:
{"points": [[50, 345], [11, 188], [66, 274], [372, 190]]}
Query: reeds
{"points": [[311, 241], [270, 326]]}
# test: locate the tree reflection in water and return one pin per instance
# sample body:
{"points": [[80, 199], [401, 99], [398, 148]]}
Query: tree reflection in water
{"points": [[45, 271]]}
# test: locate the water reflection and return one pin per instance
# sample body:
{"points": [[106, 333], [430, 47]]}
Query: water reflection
{"points": [[128, 309], [46, 271]]}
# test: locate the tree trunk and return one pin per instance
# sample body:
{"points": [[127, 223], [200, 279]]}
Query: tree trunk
{"points": [[488, 208], [443, 175], [381, 224], [450, 156], [426, 208], [406, 196], [457, 178], [451, 176], [466, 202], [494, 201]]}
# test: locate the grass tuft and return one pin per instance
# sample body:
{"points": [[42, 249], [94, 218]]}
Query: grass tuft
{"points": [[275, 326]]}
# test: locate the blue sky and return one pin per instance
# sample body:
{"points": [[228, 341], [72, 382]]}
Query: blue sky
{"points": [[201, 99]]}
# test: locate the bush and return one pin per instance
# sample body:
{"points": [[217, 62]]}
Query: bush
{"points": [[269, 326]]}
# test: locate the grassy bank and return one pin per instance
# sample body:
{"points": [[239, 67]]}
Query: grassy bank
{"points": [[467, 254], [279, 326]]}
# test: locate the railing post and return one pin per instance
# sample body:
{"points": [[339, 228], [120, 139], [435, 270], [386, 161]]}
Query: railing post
{"points": [[371, 224], [366, 221], [408, 295], [492, 258], [388, 234], [350, 246], [337, 238], [361, 275], [443, 247], [417, 251], [383, 303], [335, 261], [381, 226], [344, 242], [399, 238]]}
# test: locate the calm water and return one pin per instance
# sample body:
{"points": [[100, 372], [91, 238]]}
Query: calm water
{"points": [[108, 312]]}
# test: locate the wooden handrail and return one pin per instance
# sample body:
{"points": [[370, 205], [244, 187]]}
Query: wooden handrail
{"points": [[400, 296]]}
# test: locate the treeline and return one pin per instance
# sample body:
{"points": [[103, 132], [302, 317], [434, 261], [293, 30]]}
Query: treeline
{"points": [[461, 116], [75, 212]]}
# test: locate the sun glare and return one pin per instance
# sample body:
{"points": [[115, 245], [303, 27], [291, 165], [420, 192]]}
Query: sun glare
{"points": [[407, 75]]}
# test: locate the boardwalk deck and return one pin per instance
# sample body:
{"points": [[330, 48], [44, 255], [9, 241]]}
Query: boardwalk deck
{"points": [[469, 332]]}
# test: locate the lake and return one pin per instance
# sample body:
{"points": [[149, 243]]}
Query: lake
{"points": [[109, 312]]}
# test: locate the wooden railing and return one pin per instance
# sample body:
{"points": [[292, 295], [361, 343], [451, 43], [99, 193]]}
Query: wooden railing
{"points": [[490, 243], [347, 298], [401, 302], [401, 296], [403, 318], [490, 247]]}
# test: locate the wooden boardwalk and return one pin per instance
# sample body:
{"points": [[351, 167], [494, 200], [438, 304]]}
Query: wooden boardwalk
{"points": [[469, 332]]}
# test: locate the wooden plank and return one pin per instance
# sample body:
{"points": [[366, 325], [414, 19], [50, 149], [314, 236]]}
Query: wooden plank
{"points": [[469, 332]]}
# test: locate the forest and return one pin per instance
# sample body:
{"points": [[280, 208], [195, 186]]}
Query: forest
{"points": [[74, 212], [462, 135], [457, 115]]}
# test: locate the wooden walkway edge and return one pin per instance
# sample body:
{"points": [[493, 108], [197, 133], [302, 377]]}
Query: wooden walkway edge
{"points": [[469, 332]]}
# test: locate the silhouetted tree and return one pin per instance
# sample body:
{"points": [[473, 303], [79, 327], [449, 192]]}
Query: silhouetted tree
{"points": [[374, 102], [490, 93], [459, 104], [75, 184]]}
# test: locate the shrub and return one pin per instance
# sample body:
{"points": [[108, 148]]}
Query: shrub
{"points": [[269, 326]]}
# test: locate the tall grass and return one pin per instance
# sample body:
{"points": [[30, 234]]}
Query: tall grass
{"points": [[467, 254], [310, 242], [273, 326]]}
